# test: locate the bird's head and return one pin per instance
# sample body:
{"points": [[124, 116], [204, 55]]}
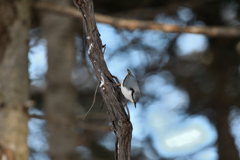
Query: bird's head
{"points": [[135, 96]]}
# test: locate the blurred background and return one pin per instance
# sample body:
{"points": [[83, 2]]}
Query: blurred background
{"points": [[190, 83]]}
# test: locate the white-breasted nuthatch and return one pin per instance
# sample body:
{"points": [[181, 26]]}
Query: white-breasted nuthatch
{"points": [[130, 88]]}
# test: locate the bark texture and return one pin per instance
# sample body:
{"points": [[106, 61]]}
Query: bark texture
{"points": [[111, 94], [60, 97], [14, 83]]}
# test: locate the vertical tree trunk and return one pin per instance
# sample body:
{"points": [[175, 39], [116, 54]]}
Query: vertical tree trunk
{"points": [[60, 97], [226, 146], [121, 123], [221, 102], [14, 83]]}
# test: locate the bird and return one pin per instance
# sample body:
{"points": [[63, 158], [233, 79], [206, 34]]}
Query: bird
{"points": [[130, 88]]}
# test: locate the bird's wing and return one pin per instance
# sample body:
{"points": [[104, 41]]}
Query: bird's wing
{"points": [[130, 82]]}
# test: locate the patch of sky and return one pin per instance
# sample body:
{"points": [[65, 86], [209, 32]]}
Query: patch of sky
{"points": [[138, 121], [136, 58], [37, 60], [157, 85], [207, 154], [229, 11], [136, 147], [84, 152], [39, 156], [176, 99], [78, 46], [166, 19], [119, 64], [234, 121], [171, 36], [110, 37], [155, 39], [149, 152], [191, 43], [186, 43], [176, 137], [185, 14], [131, 35], [37, 136], [107, 141], [158, 120]]}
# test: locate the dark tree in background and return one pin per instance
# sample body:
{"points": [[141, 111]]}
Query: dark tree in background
{"points": [[60, 97], [210, 78]]}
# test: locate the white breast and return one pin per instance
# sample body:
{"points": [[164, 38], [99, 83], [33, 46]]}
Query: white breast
{"points": [[127, 93]]}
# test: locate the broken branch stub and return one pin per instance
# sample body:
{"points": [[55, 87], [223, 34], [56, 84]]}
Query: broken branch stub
{"points": [[110, 92]]}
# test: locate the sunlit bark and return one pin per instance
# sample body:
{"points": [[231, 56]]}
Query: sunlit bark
{"points": [[14, 83]]}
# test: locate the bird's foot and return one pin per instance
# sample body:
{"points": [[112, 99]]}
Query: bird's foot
{"points": [[118, 84], [125, 104]]}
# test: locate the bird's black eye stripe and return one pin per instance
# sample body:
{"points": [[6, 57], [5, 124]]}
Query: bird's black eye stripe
{"points": [[132, 93]]}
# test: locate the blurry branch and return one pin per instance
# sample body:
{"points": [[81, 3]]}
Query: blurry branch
{"points": [[132, 24], [99, 116], [70, 11], [94, 127], [84, 125], [94, 116], [38, 116]]}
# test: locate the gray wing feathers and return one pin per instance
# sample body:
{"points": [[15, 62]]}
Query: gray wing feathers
{"points": [[130, 82]]}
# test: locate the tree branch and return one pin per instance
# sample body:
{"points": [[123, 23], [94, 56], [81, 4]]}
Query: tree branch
{"points": [[132, 24], [98, 116], [110, 92], [84, 125]]}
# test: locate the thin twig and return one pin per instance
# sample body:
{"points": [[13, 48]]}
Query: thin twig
{"points": [[92, 103]]}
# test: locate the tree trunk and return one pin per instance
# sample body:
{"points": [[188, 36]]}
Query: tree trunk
{"points": [[110, 92], [222, 66], [226, 146], [60, 97], [14, 82]]}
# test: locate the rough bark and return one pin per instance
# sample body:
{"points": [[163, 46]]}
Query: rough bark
{"points": [[14, 83], [60, 96], [111, 94]]}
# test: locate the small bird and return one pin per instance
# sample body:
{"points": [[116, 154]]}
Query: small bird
{"points": [[130, 88]]}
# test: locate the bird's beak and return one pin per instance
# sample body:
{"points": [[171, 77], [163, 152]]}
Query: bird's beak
{"points": [[135, 104]]}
